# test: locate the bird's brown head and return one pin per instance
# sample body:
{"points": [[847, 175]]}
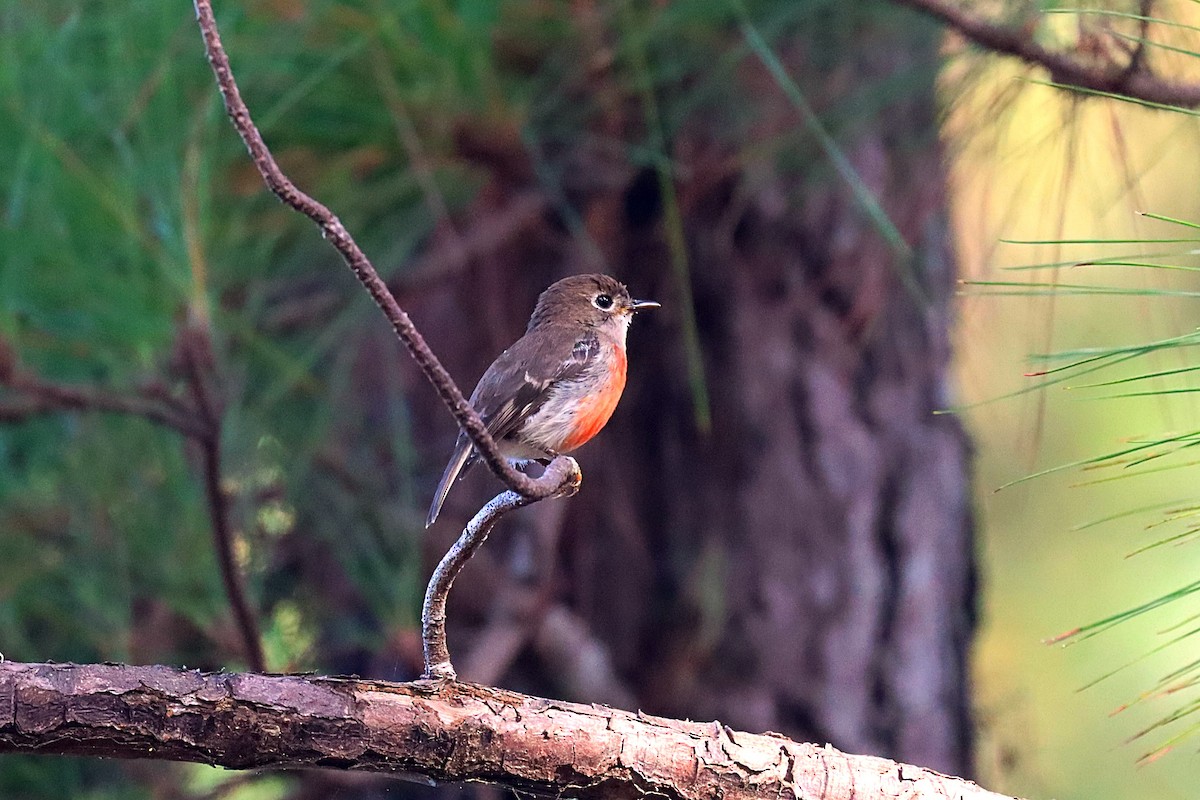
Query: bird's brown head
{"points": [[596, 301]]}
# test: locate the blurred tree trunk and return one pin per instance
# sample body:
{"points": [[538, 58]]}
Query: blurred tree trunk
{"points": [[807, 566]]}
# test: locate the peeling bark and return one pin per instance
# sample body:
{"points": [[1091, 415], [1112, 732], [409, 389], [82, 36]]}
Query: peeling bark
{"points": [[434, 732]]}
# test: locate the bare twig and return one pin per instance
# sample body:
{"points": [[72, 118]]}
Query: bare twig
{"points": [[334, 231], [1133, 80], [199, 421], [433, 612], [231, 578], [36, 397], [200, 367], [1145, 10], [460, 732]]}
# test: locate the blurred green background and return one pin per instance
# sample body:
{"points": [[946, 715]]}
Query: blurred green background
{"points": [[128, 203], [1053, 168]]}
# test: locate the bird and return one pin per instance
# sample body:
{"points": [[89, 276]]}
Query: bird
{"points": [[554, 388]]}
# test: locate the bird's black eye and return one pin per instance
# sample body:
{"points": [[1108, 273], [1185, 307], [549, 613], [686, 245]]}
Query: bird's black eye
{"points": [[603, 302]]}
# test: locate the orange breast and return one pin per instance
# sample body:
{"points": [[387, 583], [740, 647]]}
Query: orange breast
{"points": [[595, 409]]}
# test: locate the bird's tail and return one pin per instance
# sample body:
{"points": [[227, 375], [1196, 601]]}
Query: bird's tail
{"points": [[462, 454]]}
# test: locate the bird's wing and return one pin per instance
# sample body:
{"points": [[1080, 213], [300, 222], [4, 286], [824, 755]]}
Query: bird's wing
{"points": [[515, 386], [522, 378]]}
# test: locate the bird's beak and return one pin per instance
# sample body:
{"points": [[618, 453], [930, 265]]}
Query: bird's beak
{"points": [[638, 305]]}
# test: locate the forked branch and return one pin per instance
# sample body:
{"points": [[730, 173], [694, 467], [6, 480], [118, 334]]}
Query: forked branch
{"points": [[1134, 79], [198, 419]]}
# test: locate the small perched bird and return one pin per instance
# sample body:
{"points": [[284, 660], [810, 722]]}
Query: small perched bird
{"points": [[557, 385]]}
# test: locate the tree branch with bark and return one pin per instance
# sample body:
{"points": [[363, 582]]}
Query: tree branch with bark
{"points": [[431, 732], [1085, 70]]}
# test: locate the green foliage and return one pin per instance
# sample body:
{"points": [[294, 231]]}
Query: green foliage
{"points": [[37, 778], [1144, 453]]}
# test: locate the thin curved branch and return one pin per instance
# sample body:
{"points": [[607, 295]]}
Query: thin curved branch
{"points": [[199, 366], [231, 576], [458, 732], [35, 397], [1133, 80], [433, 611], [335, 232]]}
